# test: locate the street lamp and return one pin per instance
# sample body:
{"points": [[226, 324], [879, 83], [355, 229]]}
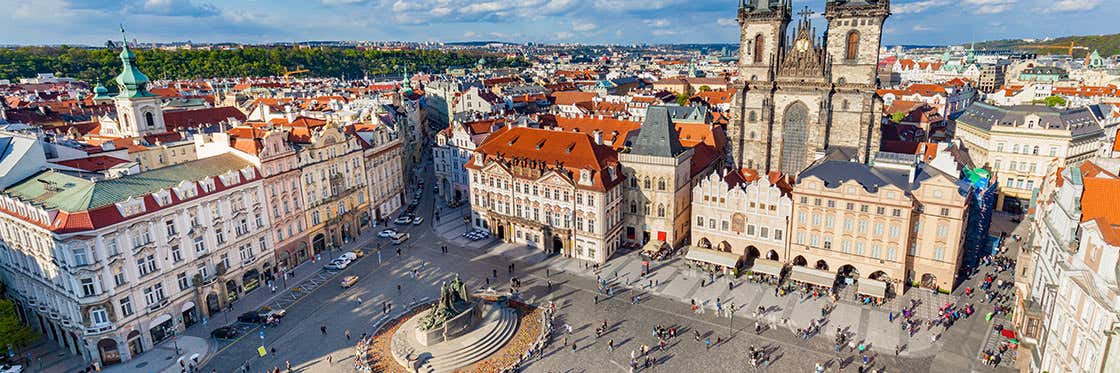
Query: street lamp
{"points": [[730, 324]]}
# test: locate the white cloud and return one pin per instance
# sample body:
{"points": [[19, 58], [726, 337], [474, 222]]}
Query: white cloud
{"points": [[563, 35], [584, 26], [989, 6], [917, 6], [342, 2], [660, 22], [1075, 5], [727, 22], [664, 32], [634, 5], [470, 34], [922, 28]]}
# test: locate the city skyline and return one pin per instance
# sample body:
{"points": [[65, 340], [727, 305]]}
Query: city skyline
{"points": [[920, 22]]}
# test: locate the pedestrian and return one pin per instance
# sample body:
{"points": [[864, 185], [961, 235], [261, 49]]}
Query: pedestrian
{"points": [[288, 365], [707, 344], [323, 328], [610, 345], [398, 289], [494, 272], [347, 334], [274, 351], [596, 298], [330, 360], [573, 347]]}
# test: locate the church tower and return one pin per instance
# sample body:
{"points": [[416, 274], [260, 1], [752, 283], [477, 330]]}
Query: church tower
{"points": [[763, 25], [138, 111], [811, 93]]}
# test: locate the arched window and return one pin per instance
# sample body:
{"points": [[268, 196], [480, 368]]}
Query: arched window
{"points": [[661, 184], [660, 210], [150, 119], [633, 207], [646, 182], [758, 48], [852, 51]]}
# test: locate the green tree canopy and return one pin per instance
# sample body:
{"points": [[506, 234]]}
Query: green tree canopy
{"points": [[682, 99], [897, 117], [1053, 101], [12, 331], [101, 65]]}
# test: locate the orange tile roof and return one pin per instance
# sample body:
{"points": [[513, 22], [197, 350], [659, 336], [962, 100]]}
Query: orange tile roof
{"points": [[717, 97], [614, 130], [572, 150], [1101, 202], [572, 97]]}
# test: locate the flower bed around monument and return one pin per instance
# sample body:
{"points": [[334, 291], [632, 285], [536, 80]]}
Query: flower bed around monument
{"points": [[378, 354]]}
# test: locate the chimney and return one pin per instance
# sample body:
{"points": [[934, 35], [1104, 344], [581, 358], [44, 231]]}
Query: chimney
{"points": [[914, 171]]}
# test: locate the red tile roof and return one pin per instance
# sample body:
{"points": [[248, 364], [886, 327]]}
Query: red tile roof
{"points": [[573, 151], [183, 119], [96, 163]]}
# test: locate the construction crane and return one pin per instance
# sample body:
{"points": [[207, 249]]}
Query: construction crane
{"points": [[1069, 47], [288, 73]]}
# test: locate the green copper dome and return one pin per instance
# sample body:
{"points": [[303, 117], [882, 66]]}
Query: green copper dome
{"points": [[131, 81]]}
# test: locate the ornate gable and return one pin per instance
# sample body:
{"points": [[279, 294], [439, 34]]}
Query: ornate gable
{"points": [[805, 58]]}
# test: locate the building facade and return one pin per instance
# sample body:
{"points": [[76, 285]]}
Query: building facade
{"points": [[334, 187], [554, 190], [742, 213], [657, 195], [112, 275]]}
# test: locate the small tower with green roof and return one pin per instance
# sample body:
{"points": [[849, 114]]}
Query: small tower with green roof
{"points": [[138, 110]]}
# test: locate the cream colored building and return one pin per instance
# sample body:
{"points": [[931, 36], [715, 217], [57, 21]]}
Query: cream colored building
{"points": [[740, 213], [657, 195], [554, 190], [336, 202], [384, 162], [112, 274], [892, 222], [1022, 144]]}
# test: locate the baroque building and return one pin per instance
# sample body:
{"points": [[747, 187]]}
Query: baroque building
{"points": [[801, 94]]}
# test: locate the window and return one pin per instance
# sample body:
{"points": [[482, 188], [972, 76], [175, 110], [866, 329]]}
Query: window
{"points": [[944, 211], [896, 213], [725, 225], [111, 247], [862, 227], [845, 246], [828, 242], [848, 223], [878, 229], [892, 252], [661, 184], [660, 210], [170, 225], [126, 306], [202, 270], [99, 316], [184, 282], [176, 254], [221, 237], [851, 52], [880, 210], [875, 251], [938, 253], [699, 220], [87, 287], [942, 231], [758, 44], [894, 231], [750, 230], [777, 234], [149, 119], [859, 248], [80, 257], [199, 245], [118, 276], [146, 265]]}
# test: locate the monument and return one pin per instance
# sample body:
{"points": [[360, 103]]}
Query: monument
{"points": [[450, 317]]}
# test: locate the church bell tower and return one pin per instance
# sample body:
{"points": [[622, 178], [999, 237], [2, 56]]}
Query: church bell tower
{"points": [[138, 111]]}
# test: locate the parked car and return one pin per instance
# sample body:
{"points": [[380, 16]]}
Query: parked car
{"points": [[403, 219], [337, 264], [387, 233], [418, 220], [400, 238], [348, 281], [274, 315], [11, 368], [358, 253], [349, 256], [252, 317]]}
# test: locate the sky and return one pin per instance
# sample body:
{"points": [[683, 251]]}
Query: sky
{"points": [[915, 22]]}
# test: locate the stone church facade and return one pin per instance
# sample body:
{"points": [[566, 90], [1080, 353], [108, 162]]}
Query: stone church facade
{"points": [[801, 94]]}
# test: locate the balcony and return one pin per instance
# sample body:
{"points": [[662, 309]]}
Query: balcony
{"points": [[99, 329], [159, 304]]}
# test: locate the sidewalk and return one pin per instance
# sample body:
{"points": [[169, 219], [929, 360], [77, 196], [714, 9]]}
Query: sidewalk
{"points": [[163, 358]]}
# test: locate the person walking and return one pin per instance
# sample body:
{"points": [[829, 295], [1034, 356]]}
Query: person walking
{"points": [[323, 329], [347, 334], [708, 344], [330, 360], [610, 345]]}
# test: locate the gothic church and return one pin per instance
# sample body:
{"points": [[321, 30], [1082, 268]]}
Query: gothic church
{"points": [[800, 95]]}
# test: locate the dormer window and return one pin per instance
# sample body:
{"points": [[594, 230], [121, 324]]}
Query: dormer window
{"points": [[585, 177], [479, 159]]}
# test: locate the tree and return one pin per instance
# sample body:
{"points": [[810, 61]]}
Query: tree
{"points": [[1053, 101], [897, 117], [12, 331], [705, 88], [682, 99]]}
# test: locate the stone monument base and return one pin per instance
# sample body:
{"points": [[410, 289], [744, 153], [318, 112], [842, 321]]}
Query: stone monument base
{"points": [[495, 325]]}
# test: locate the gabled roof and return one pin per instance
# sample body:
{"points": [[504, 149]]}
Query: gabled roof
{"points": [[573, 151], [182, 119], [657, 137]]}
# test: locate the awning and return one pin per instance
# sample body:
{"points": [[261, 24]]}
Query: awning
{"points": [[160, 320], [874, 288], [653, 246], [712, 256], [187, 306], [812, 276], [767, 267]]}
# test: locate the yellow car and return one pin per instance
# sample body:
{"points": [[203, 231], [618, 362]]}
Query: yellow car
{"points": [[358, 253], [348, 281]]}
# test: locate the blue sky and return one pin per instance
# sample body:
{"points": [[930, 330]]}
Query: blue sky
{"points": [[586, 21]]}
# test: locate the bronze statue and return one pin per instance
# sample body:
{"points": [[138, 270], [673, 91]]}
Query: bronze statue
{"points": [[453, 300]]}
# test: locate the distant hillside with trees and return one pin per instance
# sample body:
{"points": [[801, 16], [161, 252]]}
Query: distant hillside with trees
{"points": [[101, 65], [1108, 45]]}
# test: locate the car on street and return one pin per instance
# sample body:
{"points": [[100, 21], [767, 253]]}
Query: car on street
{"points": [[387, 233], [337, 264], [358, 253], [11, 368], [348, 281], [418, 220], [225, 332], [274, 315], [252, 317], [400, 238], [349, 256], [403, 219]]}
